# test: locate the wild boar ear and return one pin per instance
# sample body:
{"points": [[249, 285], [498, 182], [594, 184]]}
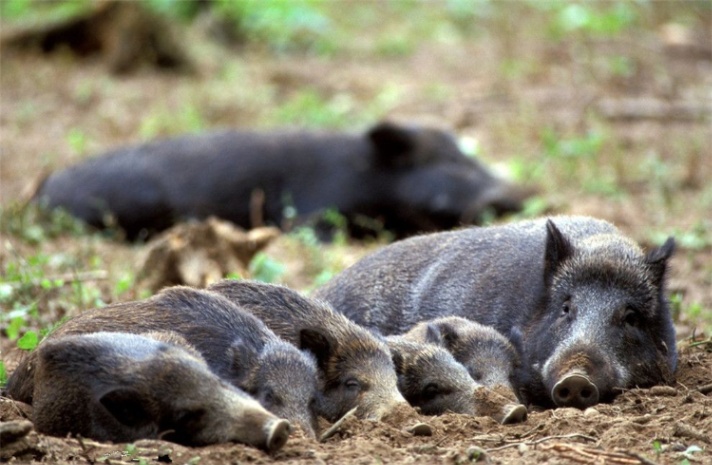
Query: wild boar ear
{"points": [[432, 334], [242, 356], [448, 335], [558, 250], [393, 144], [657, 259], [128, 406], [515, 338], [318, 343], [398, 360]]}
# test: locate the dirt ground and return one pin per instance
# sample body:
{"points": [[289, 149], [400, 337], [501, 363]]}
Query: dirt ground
{"points": [[615, 126]]}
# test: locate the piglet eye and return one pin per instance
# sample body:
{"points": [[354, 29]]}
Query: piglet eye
{"points": [[268, 398], [431, 390], [352, 384]]}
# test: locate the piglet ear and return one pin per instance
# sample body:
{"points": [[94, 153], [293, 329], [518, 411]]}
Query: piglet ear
{"points": [[657, 258], [398, 360], [318, 343], [443, 334], [558, 250], [432, 334], [515, 338], [242, 356], [393, 144], [128, 406]]}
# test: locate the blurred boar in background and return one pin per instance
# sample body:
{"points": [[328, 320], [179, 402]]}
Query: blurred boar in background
{"points": [[402, 179], [590, 303]]}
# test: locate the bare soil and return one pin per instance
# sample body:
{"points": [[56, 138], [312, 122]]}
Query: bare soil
{"points": [[505, 86]]}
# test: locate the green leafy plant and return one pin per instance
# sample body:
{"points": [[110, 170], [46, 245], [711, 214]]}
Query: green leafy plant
{"points": [[42, 11], [77, 140], [165, 122], [266, 269], [596, 20], [3, 374], [283, 26], [34, 224]]}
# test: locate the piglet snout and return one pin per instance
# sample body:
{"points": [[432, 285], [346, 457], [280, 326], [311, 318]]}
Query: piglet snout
{"points": [[277, 434]]}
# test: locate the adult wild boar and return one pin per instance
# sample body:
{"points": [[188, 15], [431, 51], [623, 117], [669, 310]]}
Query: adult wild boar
{"points": [[237, 347], [590, 303], [355, 367], [408, 180], [121, 387]]}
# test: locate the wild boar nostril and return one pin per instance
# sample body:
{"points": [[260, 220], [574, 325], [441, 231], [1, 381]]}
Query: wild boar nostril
{"points": [[575, 390]]}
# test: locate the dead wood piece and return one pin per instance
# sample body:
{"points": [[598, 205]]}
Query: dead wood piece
{"points": [[684, 430], [200, 253], [126, 34], [333, 429]]}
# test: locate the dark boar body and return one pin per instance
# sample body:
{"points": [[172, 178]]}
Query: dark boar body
{"points": [[236, 346], [407, 180], [355, 367], [121, 387], [590, 304]]}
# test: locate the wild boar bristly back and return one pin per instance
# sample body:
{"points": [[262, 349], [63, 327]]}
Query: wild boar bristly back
{"points": [[588, 304]]}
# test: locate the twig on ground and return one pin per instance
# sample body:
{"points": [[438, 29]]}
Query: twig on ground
{"points": [[85, 451], [687, 431], [335, 427], [589, 455], [544, 439], [642, 459]]}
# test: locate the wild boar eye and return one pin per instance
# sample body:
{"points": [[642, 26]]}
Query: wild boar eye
{"points": [[431, 390], [268, 399], [631, 317], [566, 308], [352, 384]]}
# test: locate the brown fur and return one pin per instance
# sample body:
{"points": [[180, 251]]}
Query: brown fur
{"points": [[234, 343], [121, 387], [355, 367]]}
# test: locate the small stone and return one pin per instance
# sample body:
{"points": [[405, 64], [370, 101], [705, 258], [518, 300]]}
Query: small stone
{"points": [[421, 429], [11, 431], [591, 412]]}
